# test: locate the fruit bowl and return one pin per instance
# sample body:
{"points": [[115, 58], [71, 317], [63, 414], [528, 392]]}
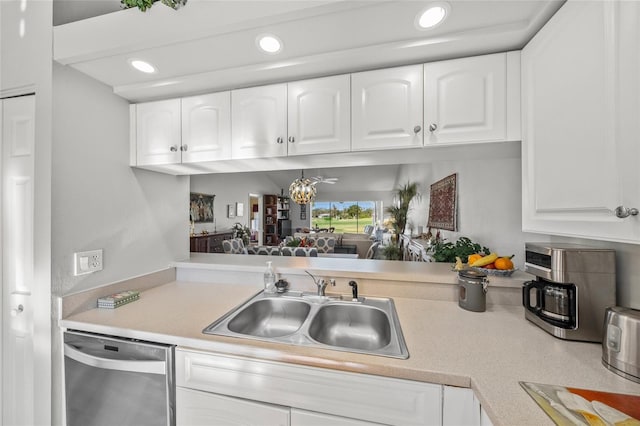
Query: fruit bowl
{"points": [[495, 272]]}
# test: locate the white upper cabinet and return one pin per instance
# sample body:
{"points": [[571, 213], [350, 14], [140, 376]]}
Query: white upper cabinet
{"points": [[466, 100], [581, 91], [206, 128], [157, 132], [387, 108], [259, 124], [319, 115]]}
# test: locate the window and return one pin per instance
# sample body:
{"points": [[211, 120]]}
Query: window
{"points": [[344, 216]]}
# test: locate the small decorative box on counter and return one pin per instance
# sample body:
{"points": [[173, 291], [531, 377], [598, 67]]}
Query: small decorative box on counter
{"points": [[118, 299]]}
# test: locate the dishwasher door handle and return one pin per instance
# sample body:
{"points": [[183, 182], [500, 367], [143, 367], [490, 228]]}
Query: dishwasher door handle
{"points": [[152, 367]]}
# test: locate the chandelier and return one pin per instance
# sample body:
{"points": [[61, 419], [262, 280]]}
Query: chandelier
{"points": [[302, 191]]}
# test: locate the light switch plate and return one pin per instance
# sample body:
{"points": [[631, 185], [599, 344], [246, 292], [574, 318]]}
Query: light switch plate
{"points": [[86, 262]]}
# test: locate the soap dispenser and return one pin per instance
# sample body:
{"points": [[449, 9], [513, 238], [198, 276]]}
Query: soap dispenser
{"points": [[269, 279]]}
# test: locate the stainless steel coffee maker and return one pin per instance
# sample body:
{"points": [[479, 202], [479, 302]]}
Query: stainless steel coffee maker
{"points": [[574, 285]]}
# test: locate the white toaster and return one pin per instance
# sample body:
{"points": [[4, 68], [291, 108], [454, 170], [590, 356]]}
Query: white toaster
{"points": [[621, 343]]}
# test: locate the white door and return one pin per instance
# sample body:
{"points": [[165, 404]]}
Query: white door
{"points": [[259, 122], [158, 132], [319, 115], [195, 408], [580, 146], [465, 100], [19, 294], [206, 128], [387, 108]]}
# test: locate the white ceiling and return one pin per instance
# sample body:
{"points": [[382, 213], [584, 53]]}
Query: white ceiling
{"points": [[209, 45]]}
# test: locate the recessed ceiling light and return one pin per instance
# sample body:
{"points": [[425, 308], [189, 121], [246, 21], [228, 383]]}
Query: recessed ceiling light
{"points": [[142, 66], [269, 43], [432, 16]]}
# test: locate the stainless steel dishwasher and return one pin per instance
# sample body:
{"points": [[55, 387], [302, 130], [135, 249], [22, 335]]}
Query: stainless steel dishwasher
{"points": [[112, 381]]}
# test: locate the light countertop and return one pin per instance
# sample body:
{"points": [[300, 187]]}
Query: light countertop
{"points": [[490, 351]]}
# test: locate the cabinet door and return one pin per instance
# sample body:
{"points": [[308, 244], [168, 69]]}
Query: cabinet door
{"points": [[460, 407], [310, 418], [158, 132], [465, 100], [319, 115], [206, 128], [387, 108], [194, 408], [259, 122], [580, 122]]}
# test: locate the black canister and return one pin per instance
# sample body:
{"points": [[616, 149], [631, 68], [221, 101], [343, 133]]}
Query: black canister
{"points": [[472, 287]]}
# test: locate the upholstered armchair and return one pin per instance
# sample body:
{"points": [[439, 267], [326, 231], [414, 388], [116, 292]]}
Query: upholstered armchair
{"points": [[234, 246], [264, 250], [324, 244], [299, 251]]}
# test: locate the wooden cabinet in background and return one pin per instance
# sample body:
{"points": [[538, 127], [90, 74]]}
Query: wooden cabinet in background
{"points": [[209, 243], [270, 218]]}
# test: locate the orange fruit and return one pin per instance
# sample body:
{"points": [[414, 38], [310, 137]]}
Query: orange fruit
{"points": [[473, 257], [504, 263]]}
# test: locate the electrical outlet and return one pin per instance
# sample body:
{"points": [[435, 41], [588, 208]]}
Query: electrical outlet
{"points": [[86, 262]]}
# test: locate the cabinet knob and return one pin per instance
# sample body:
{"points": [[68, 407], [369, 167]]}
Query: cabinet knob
{"points": [[433, 127], [622, 212], [417, 129], [279, 140], [16, 311], [184, 147], [173, 148], [292, 139]]}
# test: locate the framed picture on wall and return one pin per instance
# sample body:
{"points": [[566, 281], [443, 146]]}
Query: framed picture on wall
{"points": [[239, 209], [303, 212], [231, 211], [201, 207]]}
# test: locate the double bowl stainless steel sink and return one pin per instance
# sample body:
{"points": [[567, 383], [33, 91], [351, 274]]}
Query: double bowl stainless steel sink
{"points": [[369, 325]]}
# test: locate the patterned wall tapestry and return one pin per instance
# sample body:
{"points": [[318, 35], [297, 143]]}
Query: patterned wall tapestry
{"points": [[443, 211]]}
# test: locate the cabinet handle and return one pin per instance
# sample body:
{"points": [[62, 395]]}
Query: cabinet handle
{"points": [[16, 311], [433, 127], [173, 148], [622, 212], [184, 147], [417, 129], [292, 139], [279, 140]]}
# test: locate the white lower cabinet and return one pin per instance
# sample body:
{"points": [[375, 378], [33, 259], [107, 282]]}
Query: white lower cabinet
{"points": [[227, 390], [309, 418], [198, 408], [459, 407]]}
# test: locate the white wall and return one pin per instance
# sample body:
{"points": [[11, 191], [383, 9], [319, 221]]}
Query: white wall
{"points": [[139, 218], [489, 202], [230, 188]]}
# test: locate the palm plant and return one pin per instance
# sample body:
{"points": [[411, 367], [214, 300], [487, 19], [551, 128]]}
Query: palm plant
{"points": [[399, 212]]}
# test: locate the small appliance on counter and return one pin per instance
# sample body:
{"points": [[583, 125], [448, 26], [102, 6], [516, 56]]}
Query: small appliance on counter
{"points": [[472, 290], [621, 345], [574, 285]]}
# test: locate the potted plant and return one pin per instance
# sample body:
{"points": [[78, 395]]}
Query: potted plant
{"points": [[241, 231], [399, 212]]}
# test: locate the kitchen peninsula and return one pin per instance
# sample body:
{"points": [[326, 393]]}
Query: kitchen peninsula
{"points": [[489, 352]]}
